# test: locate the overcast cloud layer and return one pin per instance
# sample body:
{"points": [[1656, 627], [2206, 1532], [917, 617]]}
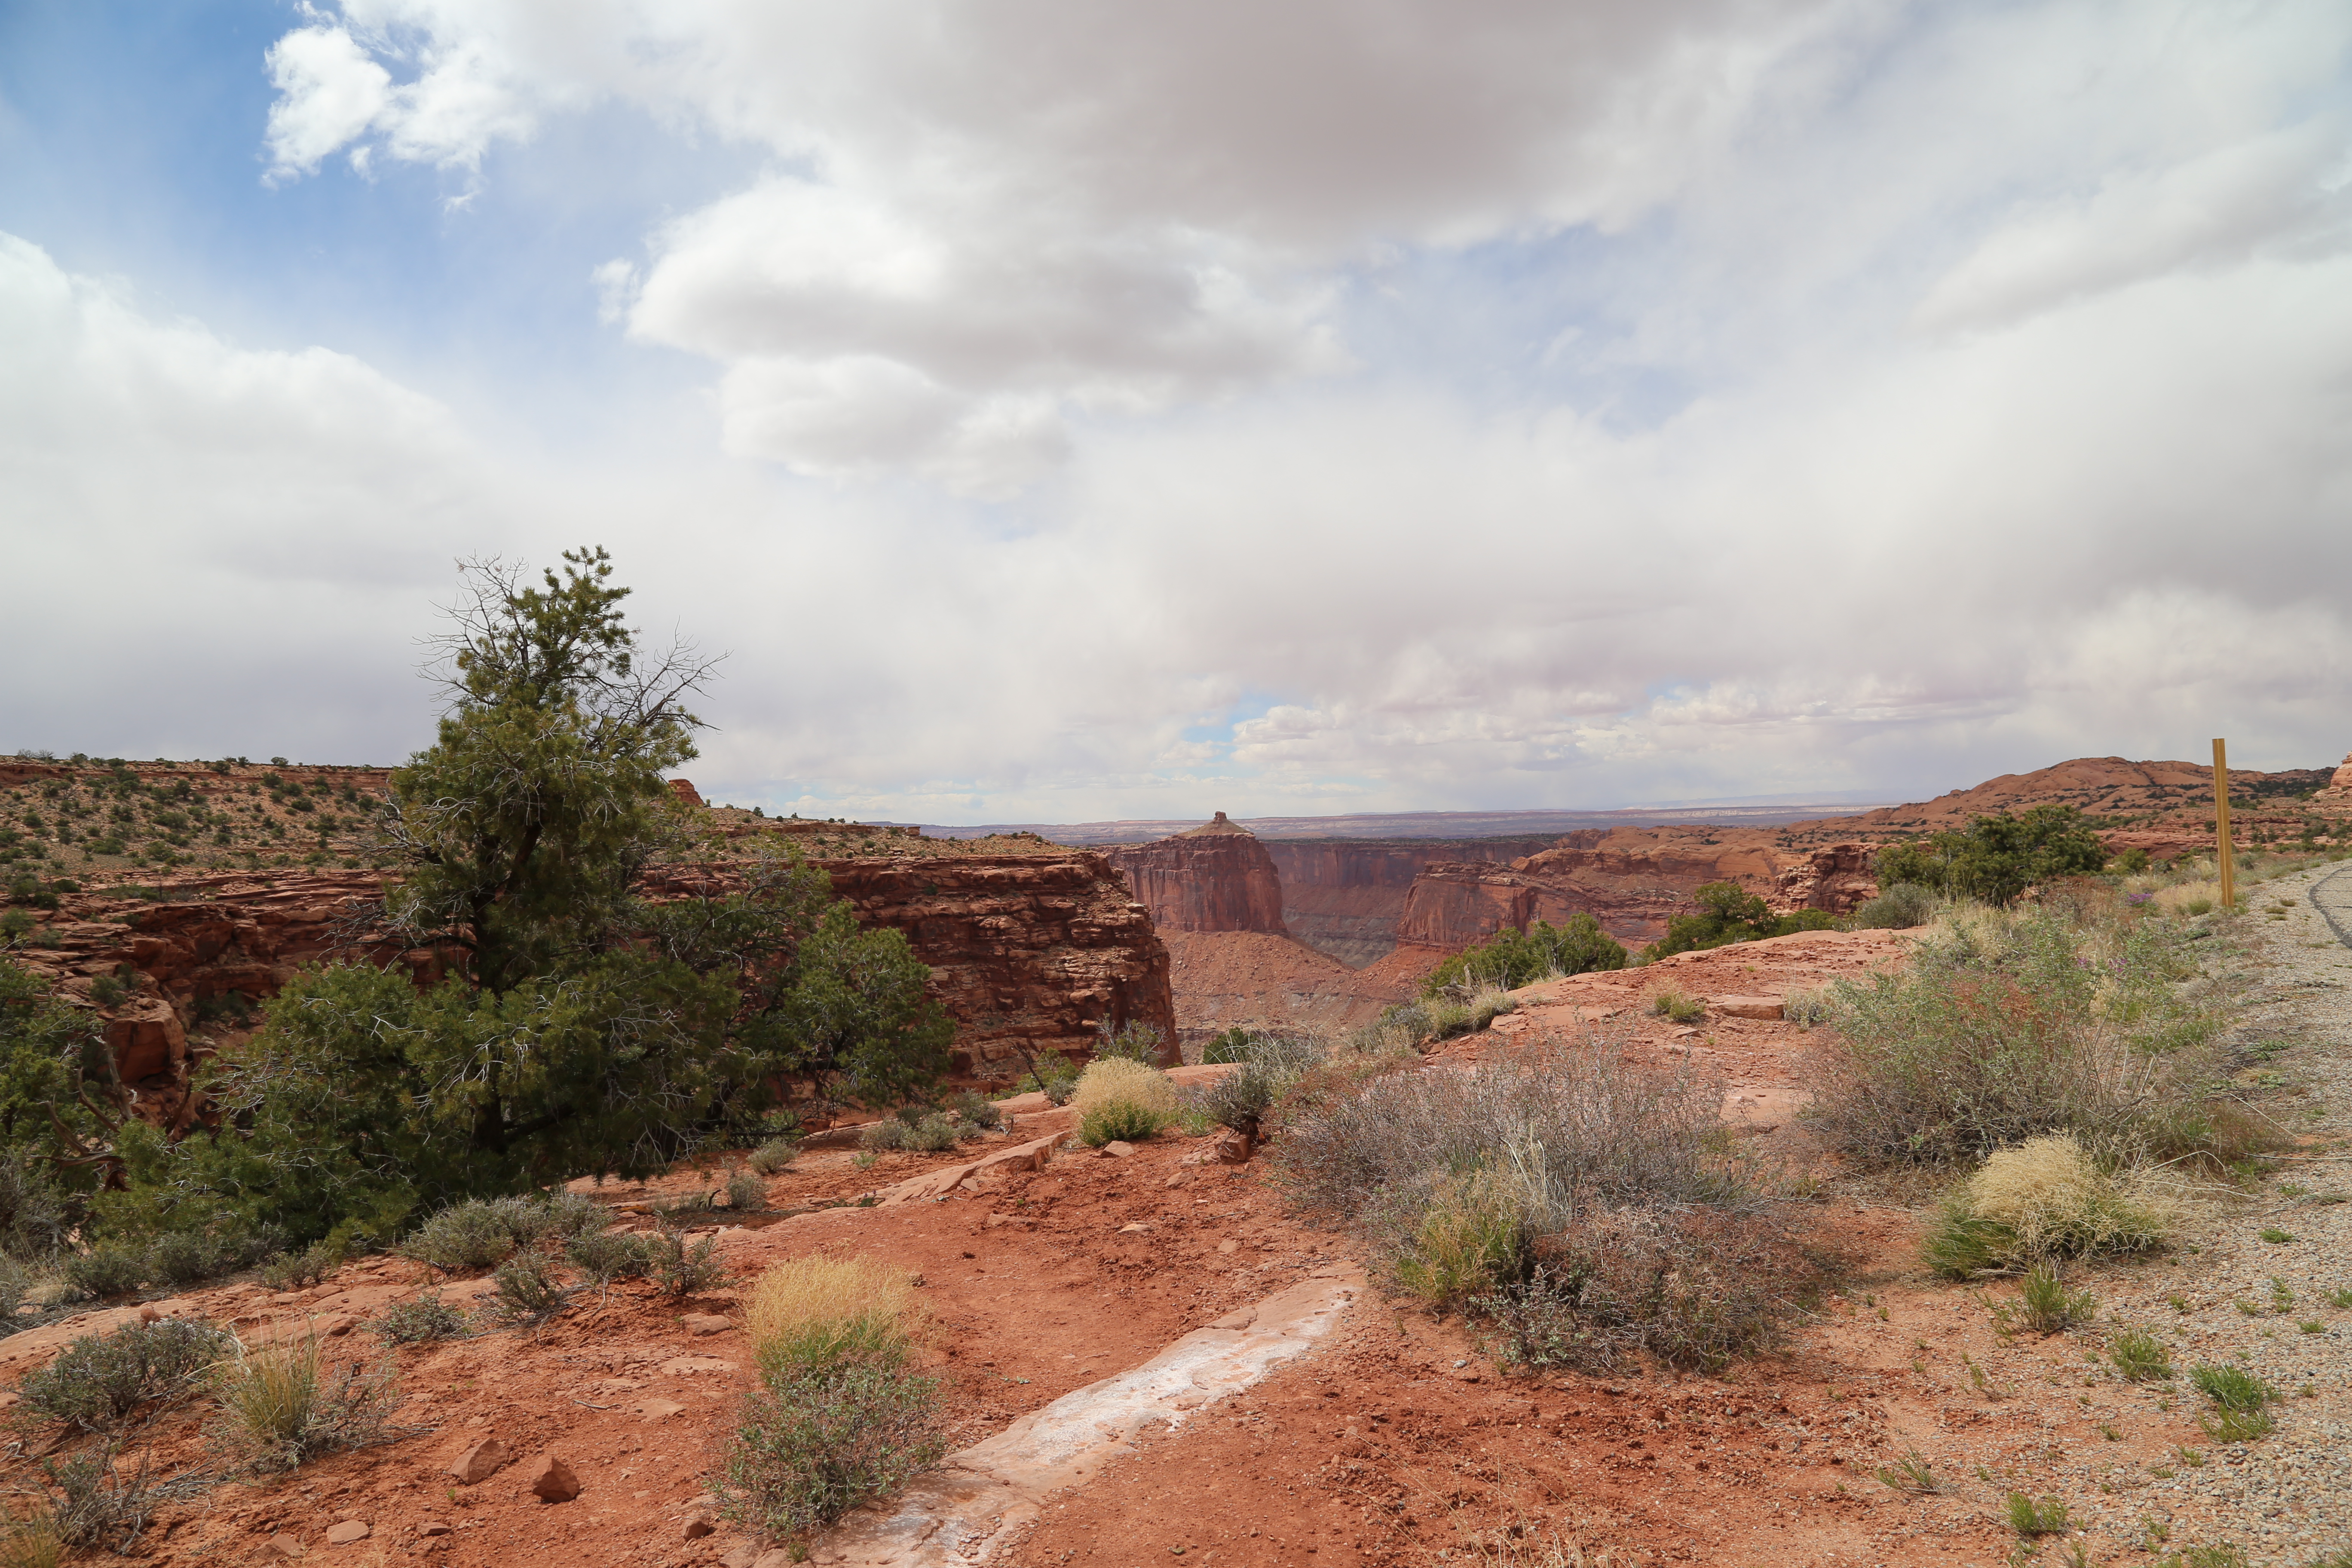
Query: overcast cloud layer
{"points": [[1142, 410]]}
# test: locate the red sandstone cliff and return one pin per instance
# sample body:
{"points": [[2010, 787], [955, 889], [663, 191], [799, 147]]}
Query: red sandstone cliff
{"points": [[1345, 895], [1035, 948], [1216, 876]]}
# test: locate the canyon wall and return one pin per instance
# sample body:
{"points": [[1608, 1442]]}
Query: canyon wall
{"points": [[1215, 876], [1631, 879], [1344, 897], [1026, 950]]}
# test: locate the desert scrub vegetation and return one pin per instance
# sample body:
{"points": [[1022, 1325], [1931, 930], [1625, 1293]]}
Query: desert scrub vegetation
{"points": [[2047, 1199], [2006, 1026], [1727, 913], [1120, 1099], [1584, 1208], [482, 1233], [101, 1381], [840, 1417], [1995, 859], [281, 1407], [1511, 959]]}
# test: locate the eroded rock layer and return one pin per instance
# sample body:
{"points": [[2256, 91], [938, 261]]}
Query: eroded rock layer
{"points": [[1216, 876]]}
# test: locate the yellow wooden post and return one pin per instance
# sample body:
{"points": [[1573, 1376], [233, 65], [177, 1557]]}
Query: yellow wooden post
{"points": [[2223, 845]]}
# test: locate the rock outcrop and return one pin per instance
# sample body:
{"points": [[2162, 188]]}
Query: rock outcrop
{"points": [[194, 959], [1028, 952], [1344, 897], [1215, 876]]}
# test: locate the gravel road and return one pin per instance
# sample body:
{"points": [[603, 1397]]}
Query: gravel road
{"points": [[2272, 1306]]}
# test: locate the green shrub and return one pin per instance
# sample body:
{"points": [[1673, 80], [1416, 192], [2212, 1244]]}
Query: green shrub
{"points": [[774, 1157], [1051, 1074], [297, 1270], [1995, 859], [2044, 1304], [606, 1255], [1899, 908], [2241, 1404], [1806, 1007], [976, 1110], [425, 1319], [1120, 1120], [1241, 1099], [2029, 1518], [746, 1191], [814, 1443], [1511, 959], [2002, 1027], [1727, 913], [528, 1290], [471, 1234], [1472, 1239], [1230, 1047], [2140, 1356], [886, 1136], [105, 1270], [683, 1268], [184, 1257], [1678, 1005], [1644, 1230], [100, 1379], [1133, 1042]]}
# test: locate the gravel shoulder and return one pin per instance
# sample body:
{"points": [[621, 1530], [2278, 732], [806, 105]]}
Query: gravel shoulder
{"points": [[2279, 1307]]}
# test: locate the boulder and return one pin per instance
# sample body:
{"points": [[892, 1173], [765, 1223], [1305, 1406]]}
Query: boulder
{"points": [[480, 1462], [550, 1479]]}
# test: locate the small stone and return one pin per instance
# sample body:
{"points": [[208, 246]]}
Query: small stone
{"points": [[550, 1479], [704, 1323], [480, 1462], [699, 1526], [1117, 1149], [1232, 1148], [282, 1548], [1229, 1245], [434, 1527], [350, 1530], [658, 1409], [1138, 1228], [778, 1557], [147, 1314]]}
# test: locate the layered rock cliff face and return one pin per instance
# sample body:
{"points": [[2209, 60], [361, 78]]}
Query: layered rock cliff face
{"points": [[1028, 952], [1631, 879], [1345, 895], [1216, 876], [195, 962]]}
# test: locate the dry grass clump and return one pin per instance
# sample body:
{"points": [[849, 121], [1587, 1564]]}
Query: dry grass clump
{"points": [[1118, 1098], [1588, 1208], [1117, 1077], [2047, 1198], [814, 1309], [2010, 1025], [280, 1408], [840, 1419]]}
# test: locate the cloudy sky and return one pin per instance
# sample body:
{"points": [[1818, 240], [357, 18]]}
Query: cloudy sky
{"points": [[1059, 412]]}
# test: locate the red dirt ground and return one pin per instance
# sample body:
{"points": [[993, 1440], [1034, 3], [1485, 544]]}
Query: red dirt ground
{"points": [[1392, 1442]]}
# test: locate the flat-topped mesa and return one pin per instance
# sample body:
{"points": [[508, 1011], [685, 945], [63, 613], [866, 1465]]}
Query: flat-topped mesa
{"points": [[1215, 876]]}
